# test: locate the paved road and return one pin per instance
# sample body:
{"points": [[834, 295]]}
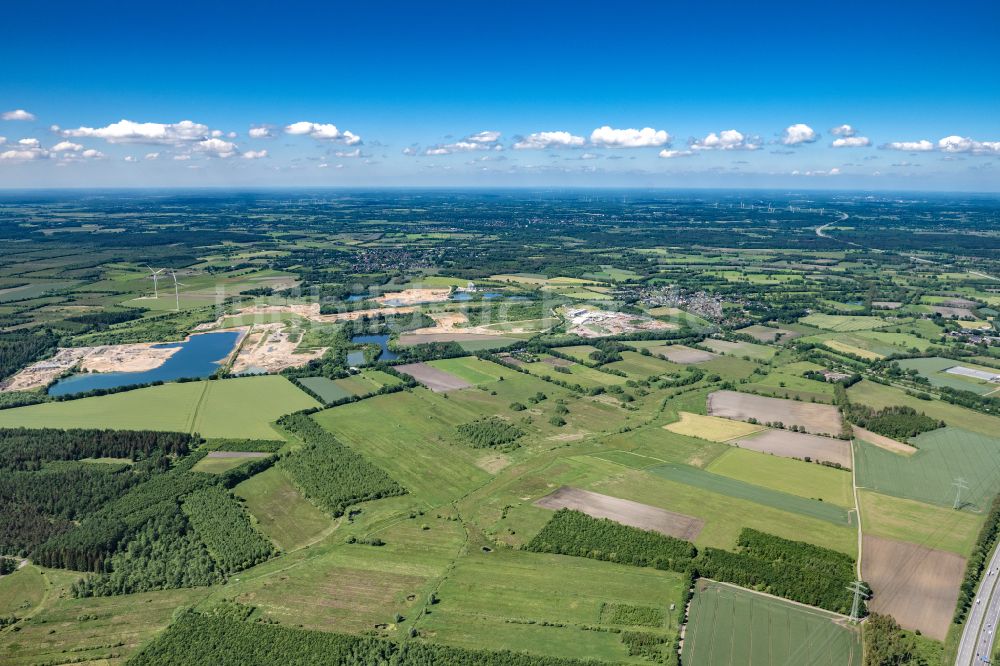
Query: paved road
{"points": [[977, 637]]}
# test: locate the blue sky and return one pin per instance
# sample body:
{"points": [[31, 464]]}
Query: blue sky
{"points": [[506, 94]]}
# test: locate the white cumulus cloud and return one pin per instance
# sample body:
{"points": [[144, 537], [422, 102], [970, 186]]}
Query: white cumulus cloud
{"points": [[843, 130], [254, 154], [17, 114], [798, 133], [485, 140], [127, 131], [921, 146], [670, 154], [629, 138], [152, 156], [851, 142], [726, 140], [66, 146], [543, 140], [216, 147], [322, 131], [260, 133], [963, 144]]}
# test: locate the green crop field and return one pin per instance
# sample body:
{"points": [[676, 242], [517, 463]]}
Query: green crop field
{"points": [[287, 518], [740, 349], [21, 591], [809, 480], [504, 597], [731, 626], [242, 407], [471, 369], [843, 322], [929, 474], [725, 514], [578, 374], [421, 454], [917, 522], [878, 396], [751, 492], [637, 366], [579, 352]]}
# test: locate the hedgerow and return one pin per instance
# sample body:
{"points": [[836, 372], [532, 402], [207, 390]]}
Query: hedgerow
{"points": [[571, 532]]}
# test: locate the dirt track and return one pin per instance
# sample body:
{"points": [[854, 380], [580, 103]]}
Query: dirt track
{"points": [[916, 585], [624, 511], [436, 380], [799, 445], [815, 418]]}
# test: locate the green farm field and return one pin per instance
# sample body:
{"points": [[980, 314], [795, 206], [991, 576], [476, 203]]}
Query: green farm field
{"points": [[504, 597], [929, 474], [280, 510], [731, 626], [808, 480], [242, 407]]}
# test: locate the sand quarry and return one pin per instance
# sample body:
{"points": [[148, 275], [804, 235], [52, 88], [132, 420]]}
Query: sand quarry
{"points": [[105, 358], [624, 511], [271, 348]]}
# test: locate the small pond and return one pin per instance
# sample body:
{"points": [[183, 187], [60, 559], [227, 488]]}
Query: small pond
{"points": [[356, 358]]}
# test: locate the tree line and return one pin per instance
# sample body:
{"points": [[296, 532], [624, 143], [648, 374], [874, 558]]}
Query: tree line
{"points": [[331, 474]]}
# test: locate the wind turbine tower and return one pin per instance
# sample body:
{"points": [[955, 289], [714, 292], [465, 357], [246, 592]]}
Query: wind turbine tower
{"points": [[177, 294], [156, 277]]}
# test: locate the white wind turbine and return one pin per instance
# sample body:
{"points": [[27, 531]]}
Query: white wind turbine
{"points": [[177, 294], [156, 276]]}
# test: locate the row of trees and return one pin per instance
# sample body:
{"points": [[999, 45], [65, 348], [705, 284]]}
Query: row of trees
{"points": [[195, 639], [572, 532], [330, 473], [224, 526], [978, 560], [791, 569], [30, 448]]}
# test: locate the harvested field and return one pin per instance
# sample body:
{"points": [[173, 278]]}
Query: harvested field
{"points": [[799, 445], [237, 454], [916, 585], [768, 334], [557, 362], [882, 441], [712, 428], [682, 354], [623, 511], [436, 380], [948, 312], [408, 339], [815, 418]]}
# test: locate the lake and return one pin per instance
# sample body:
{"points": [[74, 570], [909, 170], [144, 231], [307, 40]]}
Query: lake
{"points": [[199, 356], [381, 340]]}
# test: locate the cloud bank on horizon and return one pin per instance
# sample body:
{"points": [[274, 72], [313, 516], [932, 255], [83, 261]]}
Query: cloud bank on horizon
{"points": [[452, 98]]}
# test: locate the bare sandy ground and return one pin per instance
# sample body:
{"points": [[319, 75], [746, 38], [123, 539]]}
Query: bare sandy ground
{"points": [[39, 374], [798, 445], [270, 348], [414, 296], [916, 585], [105, 358], [126, 358], [883, 442], [436, 380], [624, 511], [444, 322], [816, 418], [682, 354]]}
